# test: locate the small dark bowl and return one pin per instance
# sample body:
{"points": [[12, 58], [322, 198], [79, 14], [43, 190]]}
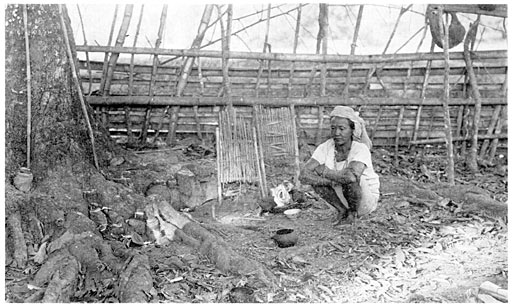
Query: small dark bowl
{"points": [[285, 238], [241, 295]]}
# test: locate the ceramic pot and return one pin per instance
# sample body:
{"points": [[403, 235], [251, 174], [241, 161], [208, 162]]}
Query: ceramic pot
{"points": [[285, 238]]}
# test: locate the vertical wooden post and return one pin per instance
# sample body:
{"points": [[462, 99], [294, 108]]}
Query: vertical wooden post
{"points": [[265, 45], [472, 159], [321, 45], [458, 131], [490, 129], [130, 79], [409, 70], [145, 126], [295, 44], [397, 136], [376, 124], [125, 24], [499, 125], [295, 145], [29, 85], [423, 94], [104, 72], [446, 99], [353, 49], [219, 171], [87, 60]]}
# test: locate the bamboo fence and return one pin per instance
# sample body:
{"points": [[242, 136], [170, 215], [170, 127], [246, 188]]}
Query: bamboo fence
{"points": [[408, 99]]}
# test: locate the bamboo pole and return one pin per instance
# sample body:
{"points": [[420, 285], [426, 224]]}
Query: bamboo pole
{"points": [[225, 57], [130, 78], [141, 101], [161, 27], [219, 171], [397, 134], [460, 121], [265, 45], [186, 70], [490, 129], [409, 70], [261, 164], [422, 95], [269, 65], [446, 99], [379, 114], [77, 84], [107, 52], [495, 137], [353, 49], [321, 45], [105, 68], [125, 24], [275, 56], [295, 145], [472, 159], [86, 53], [295, 44], [29, 85], [251, 25], [500, 10], [499, 125]]}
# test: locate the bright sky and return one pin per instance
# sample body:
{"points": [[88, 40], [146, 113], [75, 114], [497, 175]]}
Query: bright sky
{"points": [[183, 19]]}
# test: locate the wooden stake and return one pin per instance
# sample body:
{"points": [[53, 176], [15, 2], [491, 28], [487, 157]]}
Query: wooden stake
{"points": [[499, 125], [77, 84], [295, 44], [130, 79], [422, 95], [125, 24], [495, 137], [376, 124], [86, 53], [472, 159], [353, 49], [29, 85], [145, 126], [104, 73], [261, 166], [398, 129], [219, 171], [320, 124], [490, 129], [265, 45], [446, 98], [105, 60], [295, 146]]}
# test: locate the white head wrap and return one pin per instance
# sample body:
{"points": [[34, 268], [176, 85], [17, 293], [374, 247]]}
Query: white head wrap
{"points": [[359, 133]]}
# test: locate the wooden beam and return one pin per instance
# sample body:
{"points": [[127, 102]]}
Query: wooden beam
{"points": [[330, 58], [307, 101], [496, 10], [461, 138]]}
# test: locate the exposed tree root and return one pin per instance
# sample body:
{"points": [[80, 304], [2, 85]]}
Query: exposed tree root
{"points": [[168, 224]]}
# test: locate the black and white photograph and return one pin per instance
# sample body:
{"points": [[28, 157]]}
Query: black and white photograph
{"points": [[251, 152]]}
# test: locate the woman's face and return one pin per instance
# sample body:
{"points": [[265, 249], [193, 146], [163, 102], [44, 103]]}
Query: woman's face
{"points": [[341, 131]]}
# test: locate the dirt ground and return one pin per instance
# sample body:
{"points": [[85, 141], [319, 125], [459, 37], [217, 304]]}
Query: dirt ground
{"points": [[425, 243]]}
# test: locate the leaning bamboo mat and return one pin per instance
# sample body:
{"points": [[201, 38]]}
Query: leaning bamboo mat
{"points": [[276, 131], [237, 152]]}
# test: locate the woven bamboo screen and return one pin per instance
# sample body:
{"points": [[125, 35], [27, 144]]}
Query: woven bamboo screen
{"points": [[238, 153]]}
